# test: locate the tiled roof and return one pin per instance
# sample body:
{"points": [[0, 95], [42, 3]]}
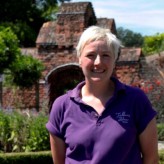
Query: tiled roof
{"points": [[107, 23], [47, 34], [66, 30], [71, 21], [70, 8], [130, 55]]}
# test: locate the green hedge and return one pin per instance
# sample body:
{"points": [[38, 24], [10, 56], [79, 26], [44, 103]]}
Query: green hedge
{"points": [[40, 158], [26, 158]]}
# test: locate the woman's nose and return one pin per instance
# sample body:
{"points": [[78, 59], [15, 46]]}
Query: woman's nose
{"points": [[97, 59]]}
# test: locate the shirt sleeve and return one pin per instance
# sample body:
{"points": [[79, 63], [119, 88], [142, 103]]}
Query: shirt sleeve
{"points": [[144, 111], [56, 117]]}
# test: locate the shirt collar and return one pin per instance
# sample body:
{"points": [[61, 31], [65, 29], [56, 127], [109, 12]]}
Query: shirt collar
{"points": [[119, 86], [76, 92]]}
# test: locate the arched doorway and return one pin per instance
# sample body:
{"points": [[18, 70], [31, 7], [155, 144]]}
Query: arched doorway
{"points": [[63, 78]]}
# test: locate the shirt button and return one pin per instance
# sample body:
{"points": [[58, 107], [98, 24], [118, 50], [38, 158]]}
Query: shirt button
{"points": [[99, 123], [95, 115]]}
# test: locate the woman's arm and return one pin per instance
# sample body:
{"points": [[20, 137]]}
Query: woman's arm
{"points": [[57, 149], [149, 145]]}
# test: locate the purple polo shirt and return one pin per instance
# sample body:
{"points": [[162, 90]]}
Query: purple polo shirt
{"points": [[111, 138]]}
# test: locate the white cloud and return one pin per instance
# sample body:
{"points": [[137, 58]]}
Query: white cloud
{"points": [[144, 15]]}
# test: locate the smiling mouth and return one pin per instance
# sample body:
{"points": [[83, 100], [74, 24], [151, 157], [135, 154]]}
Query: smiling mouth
{"points": [[98, 71]]}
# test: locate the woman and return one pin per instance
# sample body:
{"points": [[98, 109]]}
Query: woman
{"points": [[102, 120]]}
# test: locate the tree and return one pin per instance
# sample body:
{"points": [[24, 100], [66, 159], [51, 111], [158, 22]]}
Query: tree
{"points": [[30, 13], [24, 32], [26, 71], [11, 60], [21, 67], [129, 38], [23, 12], [153, 44], [8, 48], [24, 17]]}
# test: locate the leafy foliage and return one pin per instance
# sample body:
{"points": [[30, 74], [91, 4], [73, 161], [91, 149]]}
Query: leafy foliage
{"points": [[38, 135], [26, 71], [153, 86], [4, 132], [160, 131], [21, 11], [8, 48], [23, 31], [129, 38], [48, 8], [18, 131], [26, 17], [23, 132], [153, 44]]}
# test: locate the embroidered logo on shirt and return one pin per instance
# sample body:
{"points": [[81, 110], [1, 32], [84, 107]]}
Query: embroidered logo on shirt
{"points": [[123, 117]]}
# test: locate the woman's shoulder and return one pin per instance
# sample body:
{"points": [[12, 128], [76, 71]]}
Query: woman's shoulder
{"points": [[128, 89], [66, 99], [134, 90], [61, 100]]}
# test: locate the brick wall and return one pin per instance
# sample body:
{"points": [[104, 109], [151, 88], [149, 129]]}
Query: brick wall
{"points": [[144, 73]]}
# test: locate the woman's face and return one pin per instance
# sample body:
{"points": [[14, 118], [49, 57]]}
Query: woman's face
{"points": [[97, 61]]}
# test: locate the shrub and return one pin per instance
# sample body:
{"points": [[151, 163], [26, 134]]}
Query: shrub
{"points": [[26, 158], [153, 44], [26, 71], [154, 90], [4, 132], [161, 157], [160, 132], [38, 135], [8, 48], [23, 31], [23, 132]]}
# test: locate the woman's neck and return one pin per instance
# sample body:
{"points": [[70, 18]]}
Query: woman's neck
{"points": [[98, 90], [97, 95]]}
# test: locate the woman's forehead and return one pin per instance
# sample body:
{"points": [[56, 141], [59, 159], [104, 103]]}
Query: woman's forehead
{"points": [[98, 45]]}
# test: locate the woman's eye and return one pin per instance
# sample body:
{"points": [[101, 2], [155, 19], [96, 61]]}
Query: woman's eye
{"points": [[91, 55], [106, 55]]}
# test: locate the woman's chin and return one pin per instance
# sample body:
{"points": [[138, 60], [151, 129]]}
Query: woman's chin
{"points": [[96, 79]]}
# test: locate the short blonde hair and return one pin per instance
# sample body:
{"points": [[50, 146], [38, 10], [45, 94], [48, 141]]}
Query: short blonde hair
{"points": [[94, 33]]}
